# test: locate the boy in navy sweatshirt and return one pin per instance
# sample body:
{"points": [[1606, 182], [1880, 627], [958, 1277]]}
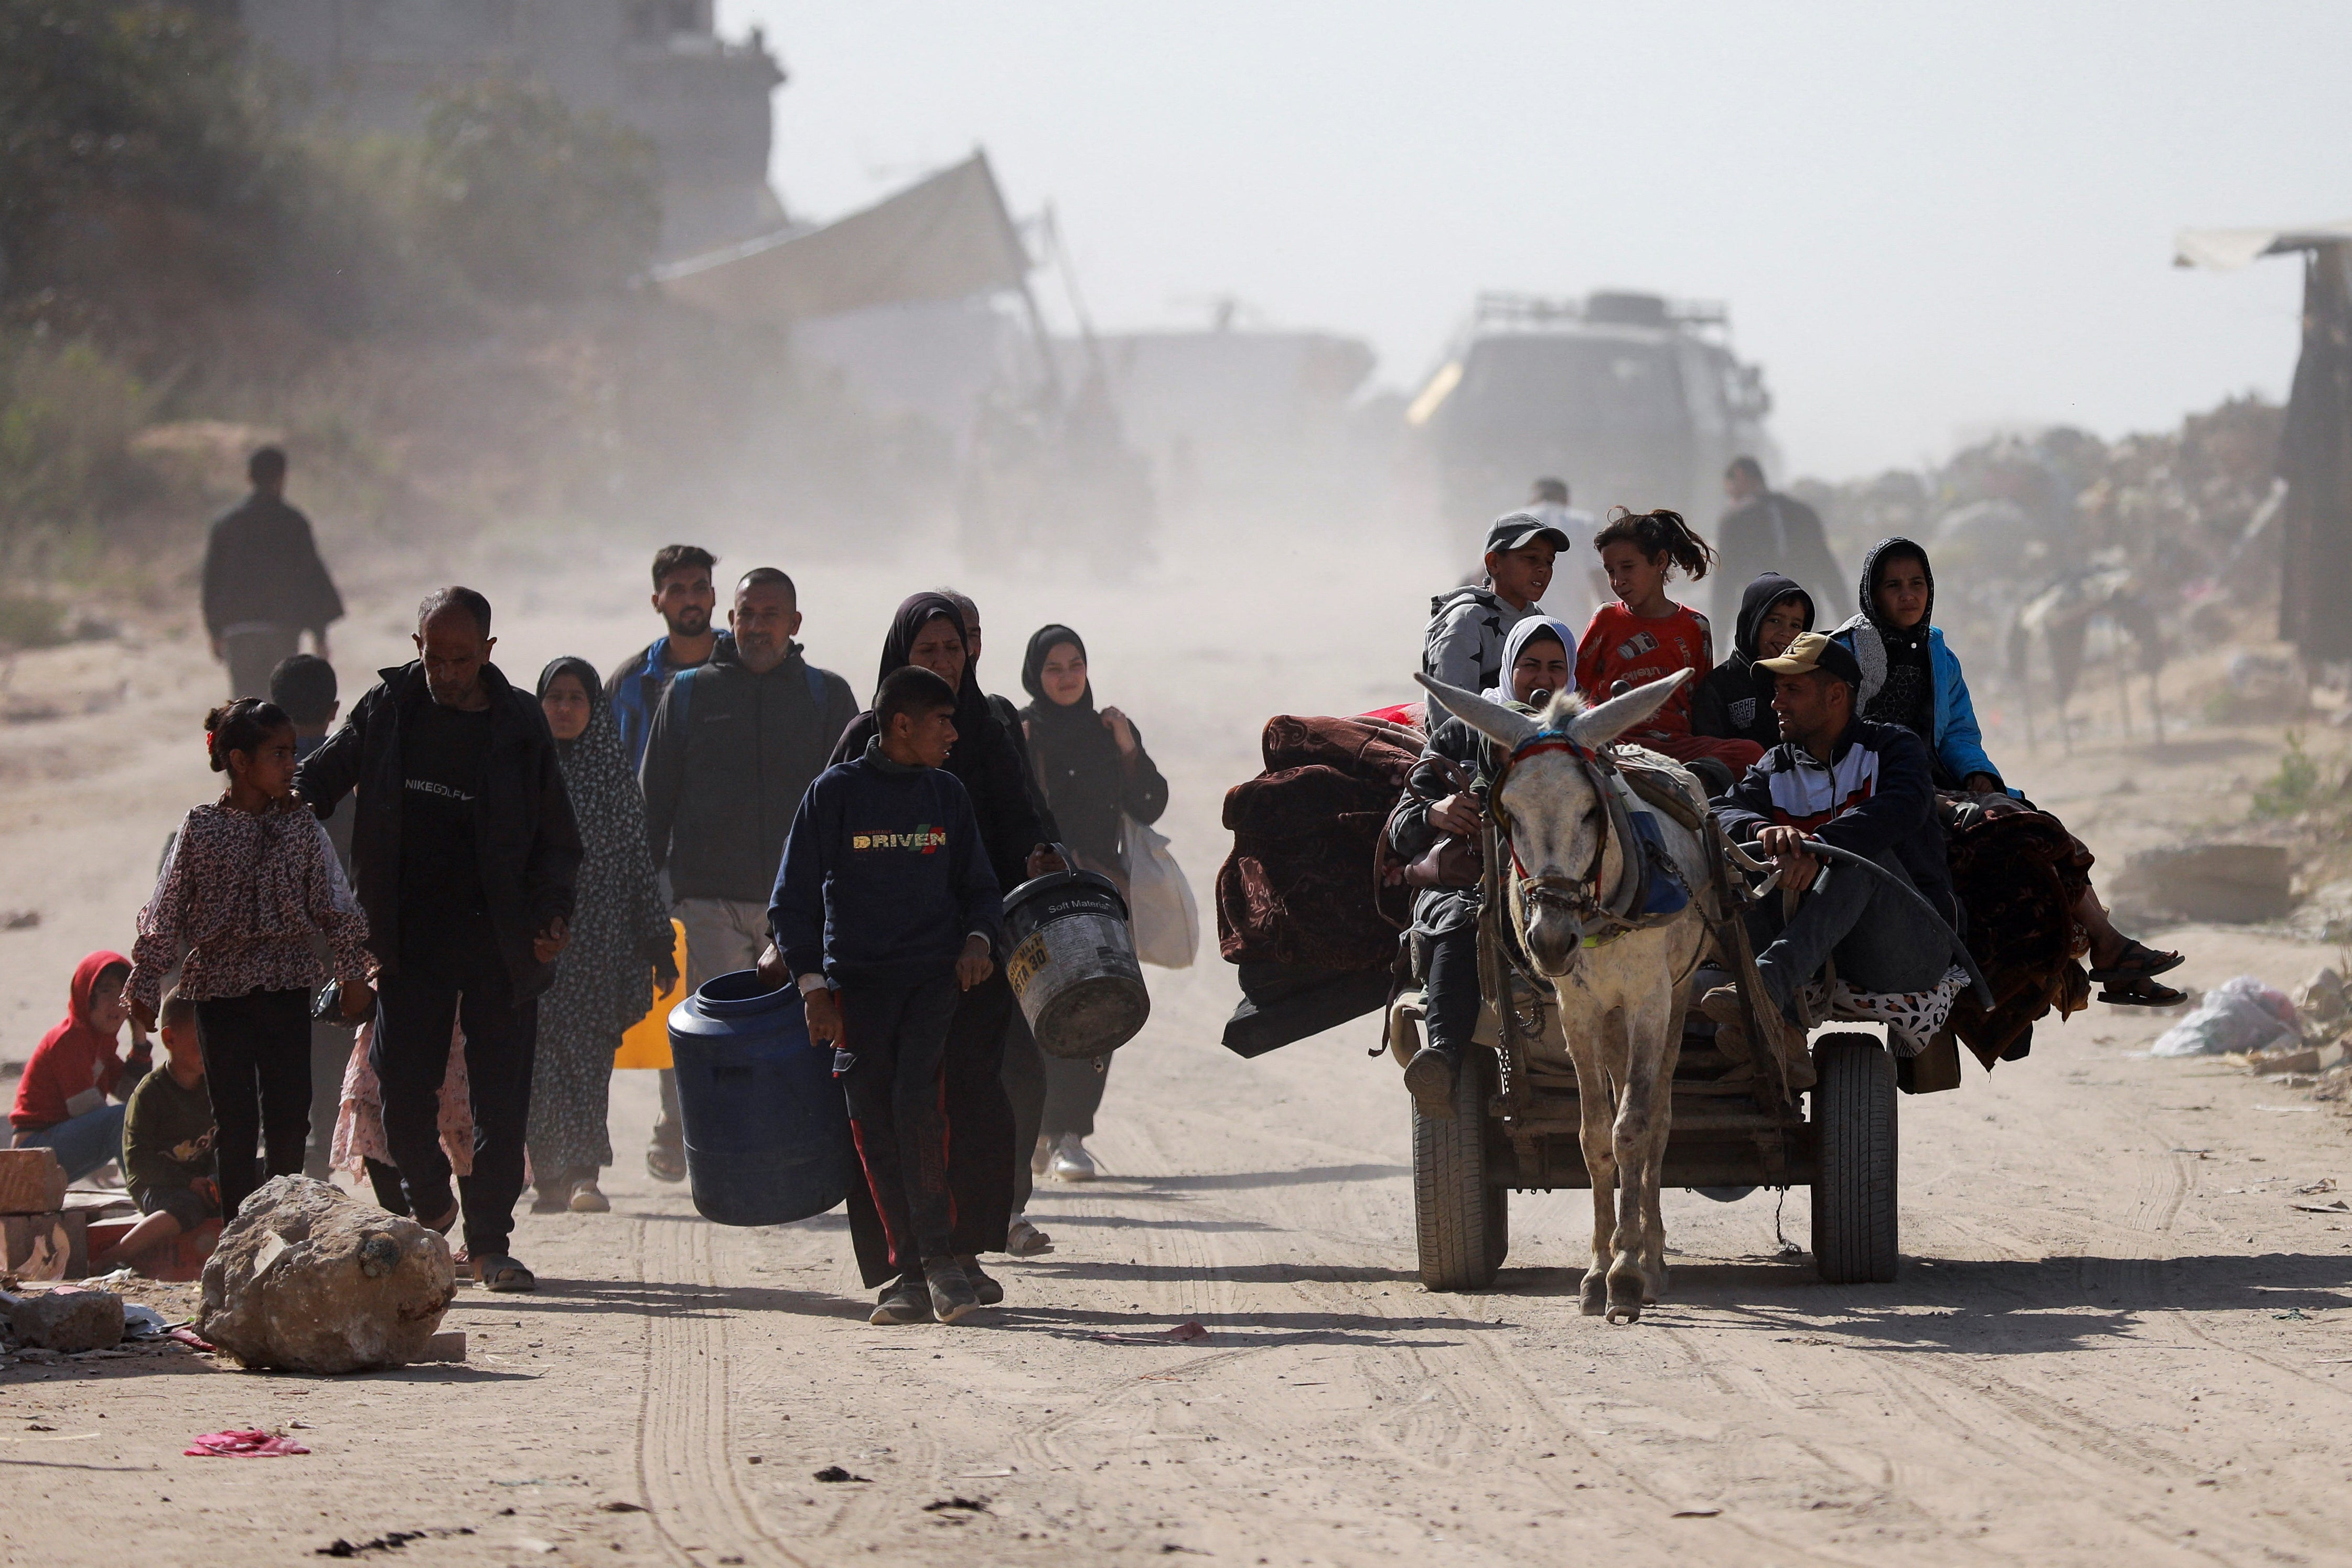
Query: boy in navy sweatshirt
{"points": [[885, 912]]}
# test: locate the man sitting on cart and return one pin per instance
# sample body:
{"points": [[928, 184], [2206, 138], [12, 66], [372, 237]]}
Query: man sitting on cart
{"points": [[1864, 787], [1436, 830]]}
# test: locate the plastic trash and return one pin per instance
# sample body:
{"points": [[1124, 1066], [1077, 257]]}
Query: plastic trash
{"points": [[2242, 1014]]}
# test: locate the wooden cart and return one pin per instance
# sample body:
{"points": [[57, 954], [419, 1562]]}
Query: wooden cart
{"points": [[1821, 1118]]}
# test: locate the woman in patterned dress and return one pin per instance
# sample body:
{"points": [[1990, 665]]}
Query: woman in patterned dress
{"points": [[621, 954]]}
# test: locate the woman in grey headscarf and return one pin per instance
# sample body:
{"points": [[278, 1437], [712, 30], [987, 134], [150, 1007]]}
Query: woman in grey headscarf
{"points": [[621, 956]]}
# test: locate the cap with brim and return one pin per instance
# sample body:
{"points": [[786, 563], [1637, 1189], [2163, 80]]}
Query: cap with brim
{"points": [[1812, 651], [1516, 528]]}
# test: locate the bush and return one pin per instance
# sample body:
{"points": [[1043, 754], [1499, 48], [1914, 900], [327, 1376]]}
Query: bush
{"points": [[67, 415]]}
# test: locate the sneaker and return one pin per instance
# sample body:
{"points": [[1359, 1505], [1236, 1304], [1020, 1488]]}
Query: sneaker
{"points": [[1022, 1239], [903, 1301], [1429, 1076], [952, 1296], [587, 1199], [989, 1291], [1071, 1162], [1040, 1155]]}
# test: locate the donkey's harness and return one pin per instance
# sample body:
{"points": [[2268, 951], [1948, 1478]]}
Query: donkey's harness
{"points": [[1649, 890]]}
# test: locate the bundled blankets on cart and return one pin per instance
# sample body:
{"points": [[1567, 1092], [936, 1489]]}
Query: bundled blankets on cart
{"points": [[1298, 908], [2018, 878]]}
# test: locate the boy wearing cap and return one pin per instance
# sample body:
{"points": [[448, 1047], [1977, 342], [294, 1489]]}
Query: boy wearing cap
{"points": [[1467, 627], [1857, 786]]}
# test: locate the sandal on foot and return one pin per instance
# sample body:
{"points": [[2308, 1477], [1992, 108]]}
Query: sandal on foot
{"points": [[2142, 992], [501, 1272], [1022, 1239], [666, 1162], [2137, 961]]}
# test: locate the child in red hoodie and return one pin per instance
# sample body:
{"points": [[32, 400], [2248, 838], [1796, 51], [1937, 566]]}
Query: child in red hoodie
{"points": [[61, 1100], [1646, 636]]}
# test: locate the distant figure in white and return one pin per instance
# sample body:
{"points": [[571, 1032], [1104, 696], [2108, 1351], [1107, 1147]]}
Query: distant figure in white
{"points": [[1621, 1001]]}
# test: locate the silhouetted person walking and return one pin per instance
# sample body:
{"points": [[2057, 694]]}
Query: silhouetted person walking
{"points": [[263, 582], [1768, 531]]}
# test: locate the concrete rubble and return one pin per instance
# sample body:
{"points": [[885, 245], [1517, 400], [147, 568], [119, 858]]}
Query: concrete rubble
{"points": [[66, 1322], [309, 1280]]}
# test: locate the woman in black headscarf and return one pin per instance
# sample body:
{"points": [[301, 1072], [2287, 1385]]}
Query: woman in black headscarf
{"points": [[1094, 772], [928, 630], [622, 951]]}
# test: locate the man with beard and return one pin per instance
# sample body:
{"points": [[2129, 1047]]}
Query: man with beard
{"points": [[686, 601], [731, 748], [466, 856]]}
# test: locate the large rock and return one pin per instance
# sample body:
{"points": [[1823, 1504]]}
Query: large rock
{"points": [[312, 1280], [68, 1320]]}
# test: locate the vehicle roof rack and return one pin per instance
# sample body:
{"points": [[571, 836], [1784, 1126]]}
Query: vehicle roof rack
{"points": [[1503, 309]]}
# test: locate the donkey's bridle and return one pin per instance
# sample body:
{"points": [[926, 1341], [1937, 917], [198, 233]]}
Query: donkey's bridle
{"points": [[1578, 897]]}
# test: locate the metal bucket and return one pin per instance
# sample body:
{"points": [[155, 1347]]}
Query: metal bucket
{"points": [[1073, 964]]}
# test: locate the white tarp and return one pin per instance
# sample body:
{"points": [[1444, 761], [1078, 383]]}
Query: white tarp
{"points": [[2226, 249], [948, 238]]}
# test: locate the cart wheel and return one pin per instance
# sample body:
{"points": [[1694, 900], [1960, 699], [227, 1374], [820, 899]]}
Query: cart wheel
{"points": [[1461, 1223], [1853, 1128]]}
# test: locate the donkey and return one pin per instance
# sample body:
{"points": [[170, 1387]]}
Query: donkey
{"points": [[1620, 1000]]}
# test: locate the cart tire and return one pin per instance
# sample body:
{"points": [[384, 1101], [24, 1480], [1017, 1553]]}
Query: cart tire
{"points": [[1460, 1221], [1854, 1234]]}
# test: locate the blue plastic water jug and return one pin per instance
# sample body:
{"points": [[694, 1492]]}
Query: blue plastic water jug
{"points": [[767, 1132]]}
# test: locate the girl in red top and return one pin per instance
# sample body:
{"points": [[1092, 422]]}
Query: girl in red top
{"points": [[1645, 637]]}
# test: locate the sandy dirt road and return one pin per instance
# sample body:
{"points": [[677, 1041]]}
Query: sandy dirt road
{"points": [[2113, 1336]]}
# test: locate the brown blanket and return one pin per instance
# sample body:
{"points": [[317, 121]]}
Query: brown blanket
{"points": [[1300, 887], [2020, 878]]}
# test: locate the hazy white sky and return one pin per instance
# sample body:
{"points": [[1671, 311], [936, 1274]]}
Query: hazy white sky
{"points": [[1924, 218]]}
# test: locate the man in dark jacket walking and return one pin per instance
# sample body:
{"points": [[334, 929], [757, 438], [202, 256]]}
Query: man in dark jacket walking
{"points": [[263, 582], [1857, 786], [464, 856], [683, 597], [733, 746], [1768, 531]]}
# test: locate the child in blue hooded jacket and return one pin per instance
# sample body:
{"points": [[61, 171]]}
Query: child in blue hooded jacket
{"points": [[885, 912], [1910, 678]]}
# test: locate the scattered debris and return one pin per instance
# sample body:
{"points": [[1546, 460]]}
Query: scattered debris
{"points": [[389, 1541], [1187, 1332], [2338, 1206], [617, 1506], [449, 1344], [242, 1443], [2324, 1184], [835, 1473], [19, 919], [2239, 1015], [962, 1504], [1696, 1512]]}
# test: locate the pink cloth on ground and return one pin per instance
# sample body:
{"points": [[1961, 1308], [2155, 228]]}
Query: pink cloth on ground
{"points": [[241, 1443]]}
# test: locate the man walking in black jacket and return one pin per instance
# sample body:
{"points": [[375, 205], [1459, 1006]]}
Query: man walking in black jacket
{"points": [[733, 746], [466, 856], [263, 582]]}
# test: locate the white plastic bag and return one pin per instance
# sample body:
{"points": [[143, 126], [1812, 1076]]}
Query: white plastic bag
{"points": [[2239, 1015], [1159, 905]]}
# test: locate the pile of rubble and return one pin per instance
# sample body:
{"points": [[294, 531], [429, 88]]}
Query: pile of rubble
{"points": [[2178, 521], [2317, 1053]]}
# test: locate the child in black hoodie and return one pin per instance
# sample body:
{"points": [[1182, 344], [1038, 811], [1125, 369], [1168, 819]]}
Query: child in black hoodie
{"points": [[1733, 701], [885, 912]]}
